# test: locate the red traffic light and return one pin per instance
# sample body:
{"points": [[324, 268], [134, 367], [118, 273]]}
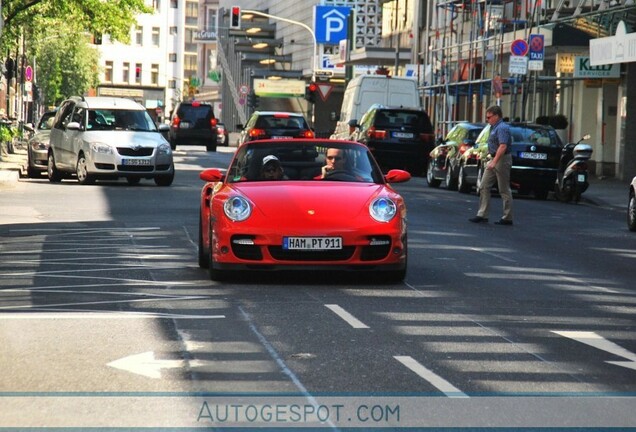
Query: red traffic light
{"points": [[312, 87], [235, 17]]}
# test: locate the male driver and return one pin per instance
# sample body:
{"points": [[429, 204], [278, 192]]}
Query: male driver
{"points": [[498, 169], [335, 158]]}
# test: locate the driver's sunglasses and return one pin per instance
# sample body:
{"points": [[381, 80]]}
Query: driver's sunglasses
{"points": [[336, 158], [271, 169]]}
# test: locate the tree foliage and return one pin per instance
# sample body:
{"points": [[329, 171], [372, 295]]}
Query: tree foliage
{"points": [[112, 17], [57, 34], [66, 65]]}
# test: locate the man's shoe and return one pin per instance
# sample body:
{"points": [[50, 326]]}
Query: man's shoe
{"points": [[478, 219], [503, 222]]}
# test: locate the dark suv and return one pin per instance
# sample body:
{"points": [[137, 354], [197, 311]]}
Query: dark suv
{"points": [[193, 123], [397, 137]]}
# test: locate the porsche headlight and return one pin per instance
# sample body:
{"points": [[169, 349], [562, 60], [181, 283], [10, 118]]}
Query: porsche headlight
{"points": [[382, 209], [163, 149], [101, 148], [237, 208]]}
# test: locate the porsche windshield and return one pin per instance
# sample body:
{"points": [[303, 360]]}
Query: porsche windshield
{"points": [[304, 160]]}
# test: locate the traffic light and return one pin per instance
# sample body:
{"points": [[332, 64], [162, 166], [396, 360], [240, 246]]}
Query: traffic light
{"points": [[36, 93], [235, 17], [9, 64], [253, 100], [310, 92]]}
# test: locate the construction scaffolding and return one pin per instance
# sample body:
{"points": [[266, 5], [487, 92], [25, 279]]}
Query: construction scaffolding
{"points": [[469, 41]]}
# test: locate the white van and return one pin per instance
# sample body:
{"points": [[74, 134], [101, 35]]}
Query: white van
{"points": [[366, 90]]}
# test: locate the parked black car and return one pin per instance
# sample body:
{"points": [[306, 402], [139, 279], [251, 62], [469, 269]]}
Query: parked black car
{"points": [[274, 125], [445, 159], [398, 137], [193, 123], [536, 151]]}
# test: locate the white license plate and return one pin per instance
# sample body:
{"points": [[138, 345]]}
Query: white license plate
{"points": [[184, 125], [135, 162], [281, 137], [402, 135], [535, 156], [312, 243]]}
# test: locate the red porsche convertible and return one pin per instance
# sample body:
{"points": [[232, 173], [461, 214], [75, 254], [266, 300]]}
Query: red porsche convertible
{"points": [[302, 204]]}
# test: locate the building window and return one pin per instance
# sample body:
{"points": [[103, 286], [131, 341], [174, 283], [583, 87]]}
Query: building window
{"points": [[174, 4], [192, 12], [155, 36], [154, 74], [172, 84], [190, 65], [190, 44], [156, 4], [172, 57], [139, 35], [173, 31], [138, 73], [108, 72], [125, 75], [212, 21]]}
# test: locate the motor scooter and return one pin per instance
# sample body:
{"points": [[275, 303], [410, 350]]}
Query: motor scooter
{"points": [[572, 174]]}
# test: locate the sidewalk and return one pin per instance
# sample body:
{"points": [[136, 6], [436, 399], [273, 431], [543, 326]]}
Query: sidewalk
{"points": [[13, 165]]}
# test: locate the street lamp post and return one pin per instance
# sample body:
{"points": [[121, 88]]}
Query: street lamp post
{"points": [[303, 25], [315, 50]]}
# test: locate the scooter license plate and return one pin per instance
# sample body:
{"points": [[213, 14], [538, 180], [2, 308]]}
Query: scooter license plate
{"points": [[581, 178]]}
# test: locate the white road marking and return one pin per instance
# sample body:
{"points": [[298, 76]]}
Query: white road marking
{"points": [[100, 315], [599, 342], [440, 383], [350, 319]]}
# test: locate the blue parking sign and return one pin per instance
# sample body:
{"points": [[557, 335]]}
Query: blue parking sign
{"points": [[330, 23]]}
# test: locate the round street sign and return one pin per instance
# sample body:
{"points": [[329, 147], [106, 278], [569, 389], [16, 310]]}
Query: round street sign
{"points": [[519, 47], [28, 73]]}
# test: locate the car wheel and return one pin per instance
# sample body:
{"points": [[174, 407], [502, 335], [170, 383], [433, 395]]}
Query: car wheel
{"points": [[210, 147], [32, 172], [52, 172], [430, 177], [133, 180], [215, 274], [164, 179], [451, 180], [631, 212], [480, 174], [462, 184], [81, 170], [204, 256], [541, 194]]}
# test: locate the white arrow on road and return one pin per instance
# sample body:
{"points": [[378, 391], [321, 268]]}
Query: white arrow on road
{"points": [[599, 342], [145, 364]]}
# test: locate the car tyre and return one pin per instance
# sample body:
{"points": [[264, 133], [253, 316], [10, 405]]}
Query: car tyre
{"points": [[164, 179], [451, 180], [480, 174], [430, 177], [215, 274], [462, 183], [204, 256], [54, 175], [32, 172], [631, 212], [210, 147], [541, 194], [81, 170]]}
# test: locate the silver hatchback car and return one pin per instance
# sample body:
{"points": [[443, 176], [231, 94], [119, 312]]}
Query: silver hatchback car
{"points": [[107, 138]]}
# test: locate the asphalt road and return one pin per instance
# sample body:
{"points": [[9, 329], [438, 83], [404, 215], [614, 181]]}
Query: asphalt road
{"points": [[106, 320]]}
